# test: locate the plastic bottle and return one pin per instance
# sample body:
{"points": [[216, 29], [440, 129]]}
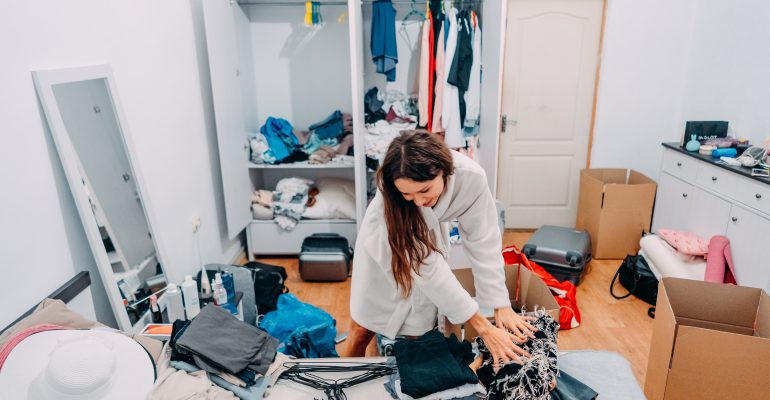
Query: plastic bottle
{"points": [[174, 306], [205, 284], [192, 304], [155, 313], [220, 294]]}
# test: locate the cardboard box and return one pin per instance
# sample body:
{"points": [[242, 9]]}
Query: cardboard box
{"points": [[709, 341], [532, 292], [615, 207]]}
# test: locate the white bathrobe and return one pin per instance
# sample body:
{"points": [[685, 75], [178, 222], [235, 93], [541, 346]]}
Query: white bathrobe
{"points": [[375, 301]]}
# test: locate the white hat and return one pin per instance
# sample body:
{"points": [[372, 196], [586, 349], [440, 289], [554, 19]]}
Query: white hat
{"points": [[77, 364]]}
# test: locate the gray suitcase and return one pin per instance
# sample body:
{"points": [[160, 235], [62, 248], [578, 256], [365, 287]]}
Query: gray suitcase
{"points": [[564, 252], [325, 257]]}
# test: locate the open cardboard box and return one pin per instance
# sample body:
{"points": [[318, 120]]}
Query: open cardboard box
{"points": [[709, 341], [615, 207], [532, 293]]}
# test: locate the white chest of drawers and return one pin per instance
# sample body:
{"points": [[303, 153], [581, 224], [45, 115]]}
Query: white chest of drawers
{"points": [[697, 195]]}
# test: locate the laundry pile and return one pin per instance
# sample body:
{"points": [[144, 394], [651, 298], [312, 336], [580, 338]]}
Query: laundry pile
{"points": [[278, 142], [449, 70], [386, 115], [235, 356], [296, 198], [437, 367]]}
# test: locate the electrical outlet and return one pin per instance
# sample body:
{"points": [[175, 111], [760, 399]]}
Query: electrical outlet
{"points": [[196, 224]]}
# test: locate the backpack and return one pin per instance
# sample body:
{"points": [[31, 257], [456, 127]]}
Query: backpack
{"points": [[269, 283]]}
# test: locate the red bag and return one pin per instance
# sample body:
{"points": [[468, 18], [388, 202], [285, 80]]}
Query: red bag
{"points": [[563, 292]]}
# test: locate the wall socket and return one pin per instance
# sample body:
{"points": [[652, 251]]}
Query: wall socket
{"points": [[196, 224]]}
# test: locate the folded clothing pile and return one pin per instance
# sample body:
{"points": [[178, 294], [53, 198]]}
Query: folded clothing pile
{"points": [[433, 367], [217, 342], [329, 198], [278, 142]]}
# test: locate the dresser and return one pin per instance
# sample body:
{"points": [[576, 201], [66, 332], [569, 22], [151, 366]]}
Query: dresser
{"points": [[698, 195]]}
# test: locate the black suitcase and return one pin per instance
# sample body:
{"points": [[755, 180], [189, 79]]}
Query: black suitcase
{"points": [[564, 252], [325, 257]]}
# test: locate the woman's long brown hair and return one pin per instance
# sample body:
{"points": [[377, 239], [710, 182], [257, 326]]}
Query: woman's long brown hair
{"points": [[419, 156]]}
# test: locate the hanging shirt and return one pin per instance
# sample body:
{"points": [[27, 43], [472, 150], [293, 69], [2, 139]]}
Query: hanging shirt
{"points": [[473, 95], [426, 72], [450, 114], [438, 99], [377, 304], [383, 43], [460, 72]]}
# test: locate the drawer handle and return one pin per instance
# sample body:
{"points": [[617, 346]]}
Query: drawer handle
{"points": [[758, 196], [678, 163], [713, 179], [684, 195], [735, 219]]}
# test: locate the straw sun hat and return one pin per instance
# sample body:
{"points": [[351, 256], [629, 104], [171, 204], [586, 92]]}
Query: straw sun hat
{"points": [[77, 364]]}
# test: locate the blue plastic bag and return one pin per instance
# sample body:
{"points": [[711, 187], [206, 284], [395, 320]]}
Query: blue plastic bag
{"points": [[303, 330]]}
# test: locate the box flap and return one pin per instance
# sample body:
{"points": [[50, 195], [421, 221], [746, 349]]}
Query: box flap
{"points": [[608, 175], [715, 302], [663, 334], [762, 325], [618, 234], [589, 199], [715, 326], [629, 197], [638, 178], [534, 292], [465, 277], [708, 363]]}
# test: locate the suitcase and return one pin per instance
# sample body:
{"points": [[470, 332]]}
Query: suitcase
{"points": [[325, 257], [564, 252]]}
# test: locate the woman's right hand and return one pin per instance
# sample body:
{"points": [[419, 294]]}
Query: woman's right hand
{"points": [[499, 342]]}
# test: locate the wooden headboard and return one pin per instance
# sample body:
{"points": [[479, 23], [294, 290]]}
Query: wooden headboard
{"points": [[73, 293]]}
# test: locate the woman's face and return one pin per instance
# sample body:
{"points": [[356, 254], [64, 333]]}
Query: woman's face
{"points": [[424, 193]]}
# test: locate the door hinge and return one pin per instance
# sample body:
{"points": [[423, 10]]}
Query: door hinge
{"points": [[504, 122]]}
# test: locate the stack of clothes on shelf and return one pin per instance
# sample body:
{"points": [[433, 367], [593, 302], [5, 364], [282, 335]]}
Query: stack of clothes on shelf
{"points": [[217, 356], [386, 116], [330, 140], [449, 69], [297, 198], [438, 367]]}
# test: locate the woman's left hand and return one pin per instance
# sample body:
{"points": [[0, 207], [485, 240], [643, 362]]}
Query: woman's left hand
{"points": [[506, 318]]}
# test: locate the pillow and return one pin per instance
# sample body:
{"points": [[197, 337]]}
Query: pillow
{"points": [[53, 312], [335, 200], [685, 242]]}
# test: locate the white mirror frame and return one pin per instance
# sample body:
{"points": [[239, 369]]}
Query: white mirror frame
{"points": [[44, 82]]}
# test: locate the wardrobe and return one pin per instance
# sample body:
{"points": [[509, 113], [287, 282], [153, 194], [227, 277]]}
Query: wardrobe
{"points": [[265, 61]]}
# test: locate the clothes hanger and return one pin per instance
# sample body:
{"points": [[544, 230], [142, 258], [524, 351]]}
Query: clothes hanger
{"points": [[414, 11]]}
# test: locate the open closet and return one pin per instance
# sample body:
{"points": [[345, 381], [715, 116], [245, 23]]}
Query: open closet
{"points": [[286, 66]]}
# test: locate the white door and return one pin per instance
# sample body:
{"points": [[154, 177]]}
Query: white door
{"points": [[233, 90], [749, 234], [551, 54], [673, 201]]}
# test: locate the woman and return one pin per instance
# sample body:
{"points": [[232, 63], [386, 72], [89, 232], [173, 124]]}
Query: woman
{"points": [[401, 280]]}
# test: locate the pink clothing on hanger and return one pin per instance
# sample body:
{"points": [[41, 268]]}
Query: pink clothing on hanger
{"points": [[440, 82]]}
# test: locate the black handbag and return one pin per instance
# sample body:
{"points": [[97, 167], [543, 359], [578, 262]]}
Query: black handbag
{"points": [[637, 277], [269, 283]]}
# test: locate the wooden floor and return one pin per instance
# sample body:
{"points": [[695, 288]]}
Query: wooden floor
{"points": [[607, 324]]}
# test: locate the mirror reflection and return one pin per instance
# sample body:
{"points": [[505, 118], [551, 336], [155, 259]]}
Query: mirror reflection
{"points": [[94, 131]]}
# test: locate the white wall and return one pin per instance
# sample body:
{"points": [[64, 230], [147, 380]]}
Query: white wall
{"points": [[729, 66], [302, 74], [643, 72], [157, 53], [666, 62]]}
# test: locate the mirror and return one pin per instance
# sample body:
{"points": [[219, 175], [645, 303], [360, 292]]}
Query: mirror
{"points": [[90, 134]]}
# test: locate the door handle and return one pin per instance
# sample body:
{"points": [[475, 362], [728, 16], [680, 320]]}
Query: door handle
{"points": [[678, 163], [504, 122], [126, 177], [684, 195], [735, 219], [713, 179], [758, 196]]}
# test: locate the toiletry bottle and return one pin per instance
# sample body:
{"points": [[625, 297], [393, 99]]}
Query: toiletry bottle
{"points": [[192, 305], [220, 294], [205, 284], [174, 306], [155, 313], [229, 284]]}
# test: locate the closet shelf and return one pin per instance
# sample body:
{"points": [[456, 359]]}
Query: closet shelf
{"points": [[306, 222], [301, 165]]}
